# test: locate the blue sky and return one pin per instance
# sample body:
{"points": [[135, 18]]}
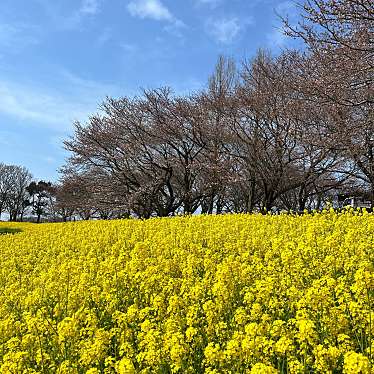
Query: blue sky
{"points": [[60, 58]]}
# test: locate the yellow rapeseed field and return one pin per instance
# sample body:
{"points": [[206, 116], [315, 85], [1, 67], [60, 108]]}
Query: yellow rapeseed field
{"points": [[213, 294]]}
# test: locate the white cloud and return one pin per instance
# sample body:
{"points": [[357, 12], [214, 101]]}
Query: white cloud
{"points": [[129, 48], [14, 37], [90, 7], [156, 10], [8, 33], [153, 9], [211, 3], [41, 106], [25, 104], [225, 30], [62, 17]]}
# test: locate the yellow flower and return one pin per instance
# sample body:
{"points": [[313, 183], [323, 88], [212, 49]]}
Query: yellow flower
{"points": [[283, 345], [356, 363], [212, 353], [263, 369], [125, 366], [220, 294]]}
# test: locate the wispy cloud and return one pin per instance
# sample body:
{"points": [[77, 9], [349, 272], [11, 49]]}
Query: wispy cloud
{"points": [[129, 48], [40, 106], [225, 30], [14, 37], [25, 104], [89, 7], [211, 3], [155, 10], [68, 18]]}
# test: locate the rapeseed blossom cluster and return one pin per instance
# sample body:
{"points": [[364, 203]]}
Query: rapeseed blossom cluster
{"points": [[212, 294]]}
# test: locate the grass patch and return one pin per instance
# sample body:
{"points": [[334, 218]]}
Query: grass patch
{"points": [[8, 230]]}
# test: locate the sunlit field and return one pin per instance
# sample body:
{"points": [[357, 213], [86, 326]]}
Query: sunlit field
{"points": [[213, 294]]}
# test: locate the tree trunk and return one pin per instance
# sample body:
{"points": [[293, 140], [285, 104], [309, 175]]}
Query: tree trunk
{"points": [[251, 197], [301, 198]]}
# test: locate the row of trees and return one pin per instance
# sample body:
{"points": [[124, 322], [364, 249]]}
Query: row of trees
{"points": [[286, 131], [20, 195]]}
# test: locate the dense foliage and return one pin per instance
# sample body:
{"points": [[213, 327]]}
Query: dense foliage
{"points": [[214, 294]]}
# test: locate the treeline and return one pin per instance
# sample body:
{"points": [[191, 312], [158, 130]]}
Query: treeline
{"points": [[277, 132], [20, 196], [24, 199], [286, 131]]}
